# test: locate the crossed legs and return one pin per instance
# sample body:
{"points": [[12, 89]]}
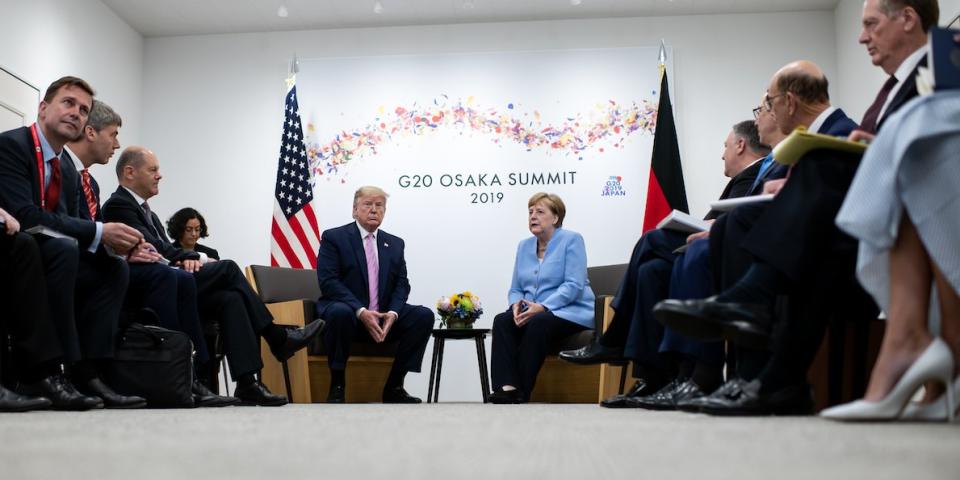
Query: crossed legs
{"points": [[907, 335]]}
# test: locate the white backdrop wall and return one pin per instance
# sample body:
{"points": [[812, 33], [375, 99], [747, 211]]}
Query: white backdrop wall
{"points": [[42, 40], [213, 106]]}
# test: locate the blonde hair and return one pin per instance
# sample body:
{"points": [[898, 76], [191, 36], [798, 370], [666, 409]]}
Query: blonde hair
{"points": [[369, 191], [553, 202]]}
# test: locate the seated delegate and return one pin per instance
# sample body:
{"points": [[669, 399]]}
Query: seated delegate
{"points": [[550, 297]]}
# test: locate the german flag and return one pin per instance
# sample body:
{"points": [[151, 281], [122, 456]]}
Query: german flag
{"points": [[665, 190]]}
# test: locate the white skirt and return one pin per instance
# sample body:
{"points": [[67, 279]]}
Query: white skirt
{"points": [[914, 166]]}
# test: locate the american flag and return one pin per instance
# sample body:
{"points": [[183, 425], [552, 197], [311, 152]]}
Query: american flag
{"points": [[295, 234]]}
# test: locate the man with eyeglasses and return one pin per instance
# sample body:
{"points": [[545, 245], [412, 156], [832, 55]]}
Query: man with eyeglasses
{"points": [[634, 334], [796, 96], [807, 257], [364, 289]]}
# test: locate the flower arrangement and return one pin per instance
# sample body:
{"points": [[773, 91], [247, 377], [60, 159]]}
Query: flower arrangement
{"points": [[459, 310]]}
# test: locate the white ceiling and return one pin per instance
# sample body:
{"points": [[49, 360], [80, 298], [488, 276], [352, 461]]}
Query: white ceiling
{"points": [[154, 18]]}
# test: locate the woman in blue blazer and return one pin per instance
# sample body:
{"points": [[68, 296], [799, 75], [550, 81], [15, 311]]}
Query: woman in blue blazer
{"points": [[550, 297]]}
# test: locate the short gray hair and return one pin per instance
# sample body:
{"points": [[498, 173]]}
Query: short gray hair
{"points": [[102, 116], [927, 10]]}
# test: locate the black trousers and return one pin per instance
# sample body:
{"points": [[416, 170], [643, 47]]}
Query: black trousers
{"points": [[223, 293], [815, 254], [730, 261], [86, 293], [646, 282], [411, 331], [23, 293], [519, 352]]}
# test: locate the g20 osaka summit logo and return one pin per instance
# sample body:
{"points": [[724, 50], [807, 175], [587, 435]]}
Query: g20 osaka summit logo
{"points": [[613, 187]]}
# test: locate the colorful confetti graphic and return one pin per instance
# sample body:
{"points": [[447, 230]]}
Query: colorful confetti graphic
{"points": [[608, 124]]}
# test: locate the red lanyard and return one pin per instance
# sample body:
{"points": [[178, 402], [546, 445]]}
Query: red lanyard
{"points": [[36, 144]]}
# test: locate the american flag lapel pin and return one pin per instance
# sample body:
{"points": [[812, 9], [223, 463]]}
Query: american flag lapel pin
{"points": [[385, 244]]}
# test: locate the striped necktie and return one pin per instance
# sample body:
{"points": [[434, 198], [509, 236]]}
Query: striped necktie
{"points": [[88, 193]]}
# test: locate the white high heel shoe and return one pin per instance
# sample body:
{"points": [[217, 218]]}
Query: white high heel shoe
{"points": [[935, 411], [935, 363]]}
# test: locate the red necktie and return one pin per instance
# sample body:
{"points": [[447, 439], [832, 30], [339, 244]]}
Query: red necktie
{"points": [[88, 192], [870, 119], [52, 195]]}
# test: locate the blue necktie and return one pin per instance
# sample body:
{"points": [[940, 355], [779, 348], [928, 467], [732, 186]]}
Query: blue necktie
{"points": [[764, 166]]}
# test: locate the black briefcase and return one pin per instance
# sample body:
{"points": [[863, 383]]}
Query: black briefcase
{"points": [[154, 363]]}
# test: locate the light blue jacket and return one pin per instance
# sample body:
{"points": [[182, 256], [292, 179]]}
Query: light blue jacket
{"points": [[560, 282]]}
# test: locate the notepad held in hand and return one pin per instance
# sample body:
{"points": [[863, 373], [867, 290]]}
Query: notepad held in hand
{"points": [[728, 204], [683, 222], [800, 141]]}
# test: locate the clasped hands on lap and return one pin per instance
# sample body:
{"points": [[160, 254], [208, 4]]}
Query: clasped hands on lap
{"points": [[524, 310], [377, 324]]}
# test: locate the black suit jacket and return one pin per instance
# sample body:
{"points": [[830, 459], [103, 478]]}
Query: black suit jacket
{"points": [[342, 270], [906, 93], [737, 187], [20, 189], [122, 207]]}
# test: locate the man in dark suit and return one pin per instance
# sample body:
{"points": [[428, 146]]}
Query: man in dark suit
{"points": [[357, 307], [153, 285], [242, 315], [633, 333], [702, 362], [808, 259], [85, 283], [26, 315]]}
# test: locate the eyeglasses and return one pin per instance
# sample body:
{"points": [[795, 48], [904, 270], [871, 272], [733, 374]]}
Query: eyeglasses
{"points": [[768, 100], [756, 113]]}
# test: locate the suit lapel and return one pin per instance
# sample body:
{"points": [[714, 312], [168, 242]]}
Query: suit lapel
{"points": [[141, 215], [906, 93], [358, 252]]}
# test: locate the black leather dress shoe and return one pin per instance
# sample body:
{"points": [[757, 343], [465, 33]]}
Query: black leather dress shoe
{"points": [[593, 354], [256, 393], [14, 402], [696, 404], [506, 397], [745, 324], [668, 396], [641, 388], [204, 397], [399, 395], [337, 394], [61, 393], [111, 399], [297, 338], [748, 400]]}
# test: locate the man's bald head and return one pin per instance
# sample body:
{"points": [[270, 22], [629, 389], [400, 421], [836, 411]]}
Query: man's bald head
{"points": [[797, 95], [139, 170], [133, 156], [805, 80]]}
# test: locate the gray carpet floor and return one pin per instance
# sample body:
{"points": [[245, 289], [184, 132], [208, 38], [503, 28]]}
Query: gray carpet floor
{"points": [[463, 440]]}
